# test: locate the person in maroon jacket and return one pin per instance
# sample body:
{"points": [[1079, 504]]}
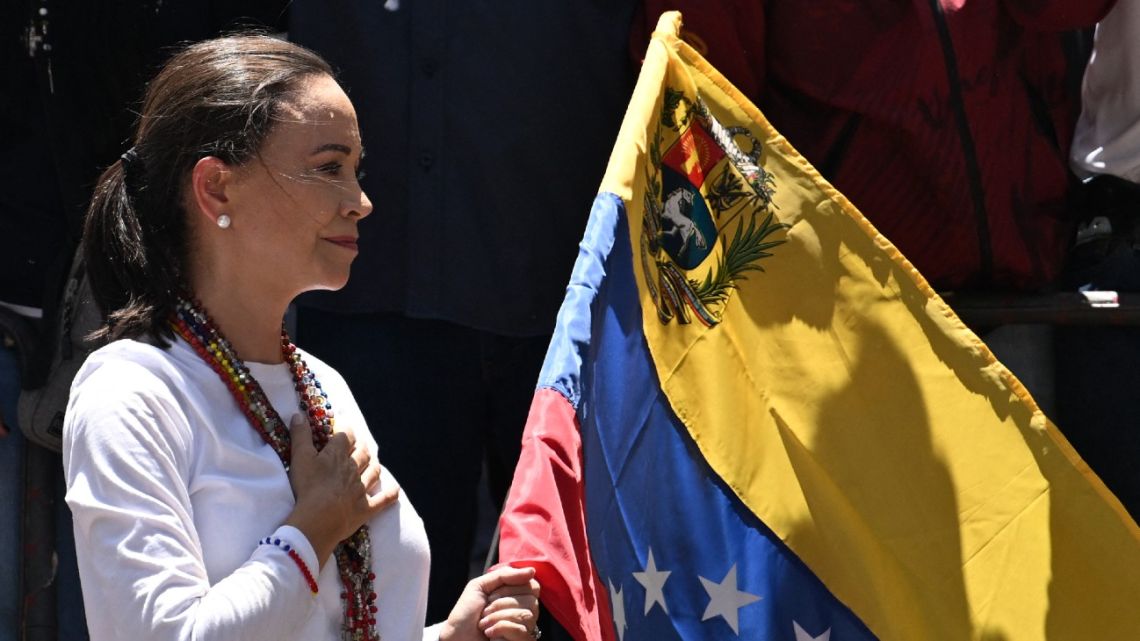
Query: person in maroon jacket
{"points": [[947, 122]]}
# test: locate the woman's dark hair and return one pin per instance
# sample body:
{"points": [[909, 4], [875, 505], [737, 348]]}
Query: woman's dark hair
{"points": [[215, 98]]}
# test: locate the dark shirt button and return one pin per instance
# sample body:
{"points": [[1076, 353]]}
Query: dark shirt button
{"points": [[429, 67], [426, 161]]}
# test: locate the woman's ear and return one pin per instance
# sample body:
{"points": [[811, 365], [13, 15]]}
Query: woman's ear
{"points": [[209, 181]]}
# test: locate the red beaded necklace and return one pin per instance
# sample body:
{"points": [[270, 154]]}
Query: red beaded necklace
{"points": [[354, 554]]}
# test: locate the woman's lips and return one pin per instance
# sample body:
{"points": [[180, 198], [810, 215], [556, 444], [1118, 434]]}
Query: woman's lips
{"points": [[348, 242]]}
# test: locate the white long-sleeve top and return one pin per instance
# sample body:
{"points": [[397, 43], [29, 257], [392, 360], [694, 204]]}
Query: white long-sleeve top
{"points": [[172, 488], [1107, 138]]}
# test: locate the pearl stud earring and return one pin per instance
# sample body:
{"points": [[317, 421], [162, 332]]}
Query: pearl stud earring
{"points": [[224, 221]]}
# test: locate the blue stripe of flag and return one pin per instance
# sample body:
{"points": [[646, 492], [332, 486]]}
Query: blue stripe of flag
{"points": [[648, 487]]}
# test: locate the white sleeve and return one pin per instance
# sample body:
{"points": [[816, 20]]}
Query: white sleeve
{"points": [[127, 457], [431, 633]]}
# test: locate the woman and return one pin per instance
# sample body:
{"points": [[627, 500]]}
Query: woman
{"points": [[199, 514]]}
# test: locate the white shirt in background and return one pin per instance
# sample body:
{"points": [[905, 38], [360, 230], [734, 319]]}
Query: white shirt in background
{"points": [[1107, 138]]}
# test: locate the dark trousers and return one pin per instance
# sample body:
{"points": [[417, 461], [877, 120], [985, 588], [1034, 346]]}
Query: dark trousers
{"points": [[441, 400], [1098, 386], [1098, 367]]}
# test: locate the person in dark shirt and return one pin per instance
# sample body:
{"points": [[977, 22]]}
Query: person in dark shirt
{"points": [[486, 127]]}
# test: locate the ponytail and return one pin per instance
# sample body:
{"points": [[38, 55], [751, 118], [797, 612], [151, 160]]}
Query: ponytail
{"points": [[133, 289]]}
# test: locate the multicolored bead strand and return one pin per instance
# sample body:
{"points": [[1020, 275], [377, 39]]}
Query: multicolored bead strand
{"points": [[354, 554]]}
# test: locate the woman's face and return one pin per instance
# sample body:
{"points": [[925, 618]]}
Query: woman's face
{"points": [[296, 207]]}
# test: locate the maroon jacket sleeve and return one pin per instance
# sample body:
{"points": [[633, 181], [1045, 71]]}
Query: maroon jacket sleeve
{"points": [[728, 33], [1058, 15]]}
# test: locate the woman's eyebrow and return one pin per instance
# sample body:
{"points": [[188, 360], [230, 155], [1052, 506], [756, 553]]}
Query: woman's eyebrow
{"points": [[331, 146]]}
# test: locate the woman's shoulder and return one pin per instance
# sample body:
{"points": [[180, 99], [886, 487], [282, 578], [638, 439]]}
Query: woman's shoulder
{"points": [[123, 390], [130, 372], [131, 350], [129, 363]]}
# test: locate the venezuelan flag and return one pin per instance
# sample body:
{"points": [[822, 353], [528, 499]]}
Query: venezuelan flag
{"points": [[756, 420]]}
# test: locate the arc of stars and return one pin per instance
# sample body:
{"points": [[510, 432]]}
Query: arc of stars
{"points": [[725, 600]]}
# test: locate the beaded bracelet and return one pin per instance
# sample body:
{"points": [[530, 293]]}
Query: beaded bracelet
{"points": [[296, 559]]}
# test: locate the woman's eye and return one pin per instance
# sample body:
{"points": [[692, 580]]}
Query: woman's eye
{"points": [[336, 169]]}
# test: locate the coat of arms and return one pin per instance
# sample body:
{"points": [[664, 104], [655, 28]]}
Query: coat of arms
{"points": [[699, 187]]}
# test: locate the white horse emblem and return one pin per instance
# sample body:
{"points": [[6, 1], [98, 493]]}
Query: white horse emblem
{"points": [[677, 208]]}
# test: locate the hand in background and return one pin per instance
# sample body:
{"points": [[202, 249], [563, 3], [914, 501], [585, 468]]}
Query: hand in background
{"points": [[502, 604]]}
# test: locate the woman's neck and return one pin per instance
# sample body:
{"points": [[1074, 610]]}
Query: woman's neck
{"points": [[248, 316]]}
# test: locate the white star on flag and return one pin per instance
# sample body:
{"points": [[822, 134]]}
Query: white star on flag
{"points": [[725, 600], [619, 611], [802, 635], [654, 582]]}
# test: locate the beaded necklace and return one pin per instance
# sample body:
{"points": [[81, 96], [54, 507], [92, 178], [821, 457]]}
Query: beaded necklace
{"points": [[354, 554]]}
